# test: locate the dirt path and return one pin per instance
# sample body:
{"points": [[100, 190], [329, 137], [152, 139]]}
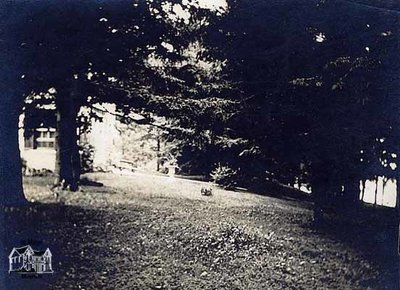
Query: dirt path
{"points": [[144, 232]]}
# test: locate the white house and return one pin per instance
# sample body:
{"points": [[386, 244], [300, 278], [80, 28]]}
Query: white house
{"points": [[113, 141], [38, 148], [25, 259]]}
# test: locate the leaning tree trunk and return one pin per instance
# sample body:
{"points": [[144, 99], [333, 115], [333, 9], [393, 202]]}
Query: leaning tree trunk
{"points": [[67, 151]]}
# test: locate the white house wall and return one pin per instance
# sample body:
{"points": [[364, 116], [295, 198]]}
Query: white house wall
{"points": [[41, 158], [105, 138]]}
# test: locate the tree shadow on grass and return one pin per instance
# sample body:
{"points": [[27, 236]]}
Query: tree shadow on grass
{"points": [[88, 182], [373, 232], [80, 241], [277, 190], [76, 236]]}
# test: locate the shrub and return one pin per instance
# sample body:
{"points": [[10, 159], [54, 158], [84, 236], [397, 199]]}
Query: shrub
{"points": [[87, 154], [224, 176]]}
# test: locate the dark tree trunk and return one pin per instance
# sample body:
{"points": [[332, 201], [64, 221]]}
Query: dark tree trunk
{"points": [[67, 151], [397, 207], [398, 194], [351, 203], [11, 192], [11, 101], [319, 191], [352, 194], [362, 191], [320, 187], [376, 191], [158, 154]]}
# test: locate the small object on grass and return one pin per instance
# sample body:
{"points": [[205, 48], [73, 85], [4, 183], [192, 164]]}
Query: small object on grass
{"points": [[206, 191], [203, 274], [57, 185], [56, 194]]}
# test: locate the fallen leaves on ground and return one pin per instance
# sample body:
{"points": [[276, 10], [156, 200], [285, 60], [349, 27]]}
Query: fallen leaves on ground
{"points": [[111, 238]]}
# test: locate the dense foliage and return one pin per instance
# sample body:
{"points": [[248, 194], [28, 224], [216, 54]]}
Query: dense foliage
{"points": [[289, 91]]}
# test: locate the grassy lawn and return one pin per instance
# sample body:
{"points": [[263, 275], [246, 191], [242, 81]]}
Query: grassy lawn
{"points": [[153, 232]]}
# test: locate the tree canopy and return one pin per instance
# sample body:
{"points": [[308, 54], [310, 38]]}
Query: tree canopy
{"points": [[283, 90]]}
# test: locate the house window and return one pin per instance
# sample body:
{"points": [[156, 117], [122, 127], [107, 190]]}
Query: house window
{"points": [[45, 144], [29, 142], [41, 138], [46, 138]]}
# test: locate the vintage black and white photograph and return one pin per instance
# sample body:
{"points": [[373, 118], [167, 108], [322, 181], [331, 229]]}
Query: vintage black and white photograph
{"points": [[199, 144]]}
